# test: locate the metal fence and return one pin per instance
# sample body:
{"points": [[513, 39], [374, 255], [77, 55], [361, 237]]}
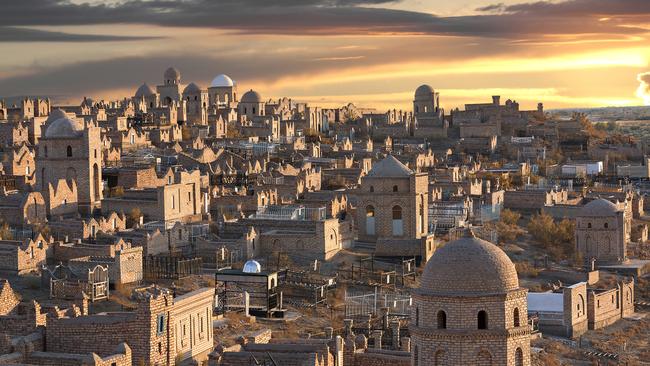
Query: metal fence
{"points": [[370, 303]]}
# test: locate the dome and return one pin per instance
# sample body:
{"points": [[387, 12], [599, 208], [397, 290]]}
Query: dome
{"points": [[222, 81], [423, 91], [172, 74], [63, 127], [599, 207], [251, 96], [468, 266], [55, 114], [144, 90], [252, 266], [389, 167], [192, 88]]}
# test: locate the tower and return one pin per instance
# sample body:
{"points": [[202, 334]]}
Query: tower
{"points": [[69, 151], [425, 102], [469, 308], [196, 104], [170, 91]]}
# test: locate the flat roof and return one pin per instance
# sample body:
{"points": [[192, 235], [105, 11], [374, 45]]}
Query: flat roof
{"points": [[545, 302]]}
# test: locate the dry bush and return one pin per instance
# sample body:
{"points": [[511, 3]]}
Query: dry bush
{"points": [[556, 238], [526, 269]]}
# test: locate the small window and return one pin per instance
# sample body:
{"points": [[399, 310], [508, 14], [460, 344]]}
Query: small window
{"points": [[417, 316], [395, 189], [442, 320], [69, 151], [160, 324], [397, 213], [482, 320], [589, 225], [515, 317], [372, 189], [606, 225]]}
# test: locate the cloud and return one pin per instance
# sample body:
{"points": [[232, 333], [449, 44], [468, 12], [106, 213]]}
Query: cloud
{"points": [[338, 16], [16, 34], [643, 91], [575, 8]]}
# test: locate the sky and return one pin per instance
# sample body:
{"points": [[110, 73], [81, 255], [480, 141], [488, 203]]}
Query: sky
{"points": [[374, 53]]}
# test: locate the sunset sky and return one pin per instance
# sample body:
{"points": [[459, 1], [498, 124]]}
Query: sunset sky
{"points": [[373, 53]]}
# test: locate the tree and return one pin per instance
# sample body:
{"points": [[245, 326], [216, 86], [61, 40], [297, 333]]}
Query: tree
{"points": [[134, 216], [557, 239]]}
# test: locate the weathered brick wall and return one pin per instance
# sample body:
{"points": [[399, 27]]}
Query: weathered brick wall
{"points": [[192, 316], [22, 257], [8, 298], [378, 358], [575, 310], [101, 333], [604, 308]]}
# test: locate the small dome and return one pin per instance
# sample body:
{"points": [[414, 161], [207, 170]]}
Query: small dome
{"points": [[63, 127], [222, 81], [54, 115], [468, 266], [192, 88], [251, 96], [252, 266], [389, 167], [599, 207], [172, 74], [144, 90], [423, 91]]}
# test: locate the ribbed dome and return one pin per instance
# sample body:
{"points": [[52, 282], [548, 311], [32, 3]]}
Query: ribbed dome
{"points": [[252, 266], [192, 88], [63, 127], [468, 266], [251, 96], [144, 90], [599, 207], [423, 91], [172, 74], [222, 81]]}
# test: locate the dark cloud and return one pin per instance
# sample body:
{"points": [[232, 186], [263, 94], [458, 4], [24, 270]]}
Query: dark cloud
{"points": [[15, 34], [93, 77], [336, 16], [576, 8]]}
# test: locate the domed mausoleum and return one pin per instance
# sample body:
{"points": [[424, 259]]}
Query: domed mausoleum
{"points": [[602, 231], [469, 308]]}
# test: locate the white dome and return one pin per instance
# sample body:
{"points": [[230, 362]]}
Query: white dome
{"points": [[63, 127], [252, 266], [222, 81]]}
